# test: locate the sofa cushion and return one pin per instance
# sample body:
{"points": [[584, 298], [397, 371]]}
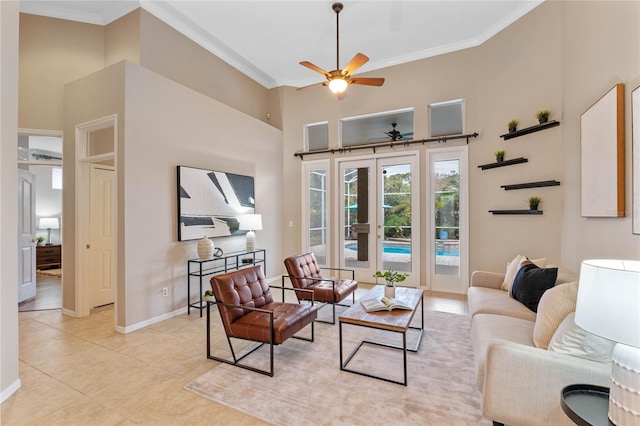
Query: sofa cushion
{"points": [[555, 304], [482, 300], [487, 327], [570, 339], [514, 266], [531, 282], [512, 270]]}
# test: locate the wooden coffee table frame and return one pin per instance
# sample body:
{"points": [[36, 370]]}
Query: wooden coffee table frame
{"points": [[397, 321]]}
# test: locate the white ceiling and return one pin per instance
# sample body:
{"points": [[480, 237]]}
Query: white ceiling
{"points": [[267, 39]]}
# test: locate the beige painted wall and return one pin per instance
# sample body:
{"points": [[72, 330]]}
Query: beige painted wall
{"points": [[605, 49], [518, 75], [169, 53], [545, 60], [95, 96], [53, 52], [9, 379], [166, 125], [122, 39]]}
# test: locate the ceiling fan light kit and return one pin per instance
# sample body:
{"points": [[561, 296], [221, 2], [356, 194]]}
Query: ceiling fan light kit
{"points": [[339, 79], [338, 85]]}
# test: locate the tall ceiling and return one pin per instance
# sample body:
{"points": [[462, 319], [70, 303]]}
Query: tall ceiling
{"points": [[267, 39]]}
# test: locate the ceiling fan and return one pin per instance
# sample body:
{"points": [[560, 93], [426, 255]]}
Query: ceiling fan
{"points": [[395, 134], [339, 79]]}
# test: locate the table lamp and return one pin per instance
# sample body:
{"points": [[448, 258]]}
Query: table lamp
{"points": [[251, 223], [608, 305], [49, 223]]}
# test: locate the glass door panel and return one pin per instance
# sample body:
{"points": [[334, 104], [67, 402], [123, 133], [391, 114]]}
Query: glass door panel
{"points": [[396, 212], [448, 238], [378, 204], [446, 250], [318, 214]]}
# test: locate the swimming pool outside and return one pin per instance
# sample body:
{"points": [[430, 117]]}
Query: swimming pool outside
{"points": [[395, 248]]}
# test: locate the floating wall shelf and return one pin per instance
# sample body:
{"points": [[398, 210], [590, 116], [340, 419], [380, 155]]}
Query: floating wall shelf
{"points": [[530, 185], [503, 163], [532, 129], [515, 211]]}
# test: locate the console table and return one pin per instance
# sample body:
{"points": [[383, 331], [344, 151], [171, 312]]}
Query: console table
{"points": [[201, 268]]}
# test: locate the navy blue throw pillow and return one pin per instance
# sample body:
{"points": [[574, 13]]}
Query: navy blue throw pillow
{"points": [[531, 282]]}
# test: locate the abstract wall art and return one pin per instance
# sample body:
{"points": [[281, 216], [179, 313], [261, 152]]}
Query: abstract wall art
{"points": [[209, 202]]}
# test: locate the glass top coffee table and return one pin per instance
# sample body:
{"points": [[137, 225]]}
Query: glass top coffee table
{"points": [[397, 321]]}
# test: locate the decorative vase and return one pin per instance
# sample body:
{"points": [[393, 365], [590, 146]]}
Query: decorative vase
{"points": [[390, 290], [205, 248], [533, 207], [543, 120], [512, 129]]}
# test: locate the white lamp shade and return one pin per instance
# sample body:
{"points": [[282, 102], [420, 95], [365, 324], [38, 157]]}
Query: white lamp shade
{"points": [[48, 223], [250, 222], [608, 302]]}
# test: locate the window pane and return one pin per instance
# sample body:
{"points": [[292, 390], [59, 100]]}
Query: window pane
{"points": [[396, 206], [317, 136], [378, 128], [447, 217], [445, 118], [318, 214], [56, 177]]}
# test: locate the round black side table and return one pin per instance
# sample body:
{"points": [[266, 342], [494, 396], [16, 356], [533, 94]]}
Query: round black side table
{"points": [[586, 405]]}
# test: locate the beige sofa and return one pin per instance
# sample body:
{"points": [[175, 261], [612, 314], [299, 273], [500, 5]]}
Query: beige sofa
{"points": [[520, 382]]}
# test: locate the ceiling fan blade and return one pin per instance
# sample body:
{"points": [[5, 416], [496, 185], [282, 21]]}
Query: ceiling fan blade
{"points": [[312, 85], [367, 81], [357, 61], [314, 67]]}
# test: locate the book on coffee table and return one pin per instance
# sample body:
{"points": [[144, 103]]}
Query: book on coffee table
{"points": [[384, 304]]}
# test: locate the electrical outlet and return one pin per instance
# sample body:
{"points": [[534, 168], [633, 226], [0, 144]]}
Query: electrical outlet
{"points": [[165, 291]]}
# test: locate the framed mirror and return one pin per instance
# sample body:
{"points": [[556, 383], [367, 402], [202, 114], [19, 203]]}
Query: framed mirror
{"points": [[635, 179], [602, 156]]}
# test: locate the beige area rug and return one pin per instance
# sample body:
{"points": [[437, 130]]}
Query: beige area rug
{"points": [[53, 272], [310, 389]]}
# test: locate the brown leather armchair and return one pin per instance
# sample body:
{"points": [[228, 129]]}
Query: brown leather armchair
{"points": [[304, 274], [248, 312]]}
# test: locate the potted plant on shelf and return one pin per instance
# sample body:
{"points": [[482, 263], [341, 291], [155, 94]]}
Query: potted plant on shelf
{"points": [[534, 202], [543, 116], [499, 156], [391, 277], [208, 296], [513, 125], [38, 240]]}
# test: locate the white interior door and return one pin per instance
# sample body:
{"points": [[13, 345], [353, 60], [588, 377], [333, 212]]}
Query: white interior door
{"points": [[102, 235], [378, 219], [26, 232]]}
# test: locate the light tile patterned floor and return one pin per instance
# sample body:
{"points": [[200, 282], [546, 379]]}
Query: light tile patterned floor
{"points": [[81, 372]]}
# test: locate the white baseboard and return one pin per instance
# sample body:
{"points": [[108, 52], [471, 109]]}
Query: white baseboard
{"points": [[10, 390], [150, 321], [70, 313]]}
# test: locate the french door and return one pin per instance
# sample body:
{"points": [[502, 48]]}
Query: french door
{"points": [[448, 236], [378, 213]]}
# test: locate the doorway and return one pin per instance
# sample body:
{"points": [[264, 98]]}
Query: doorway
{"points": [[40, 157], [96, 225], [448, 234], [378, 212]]}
